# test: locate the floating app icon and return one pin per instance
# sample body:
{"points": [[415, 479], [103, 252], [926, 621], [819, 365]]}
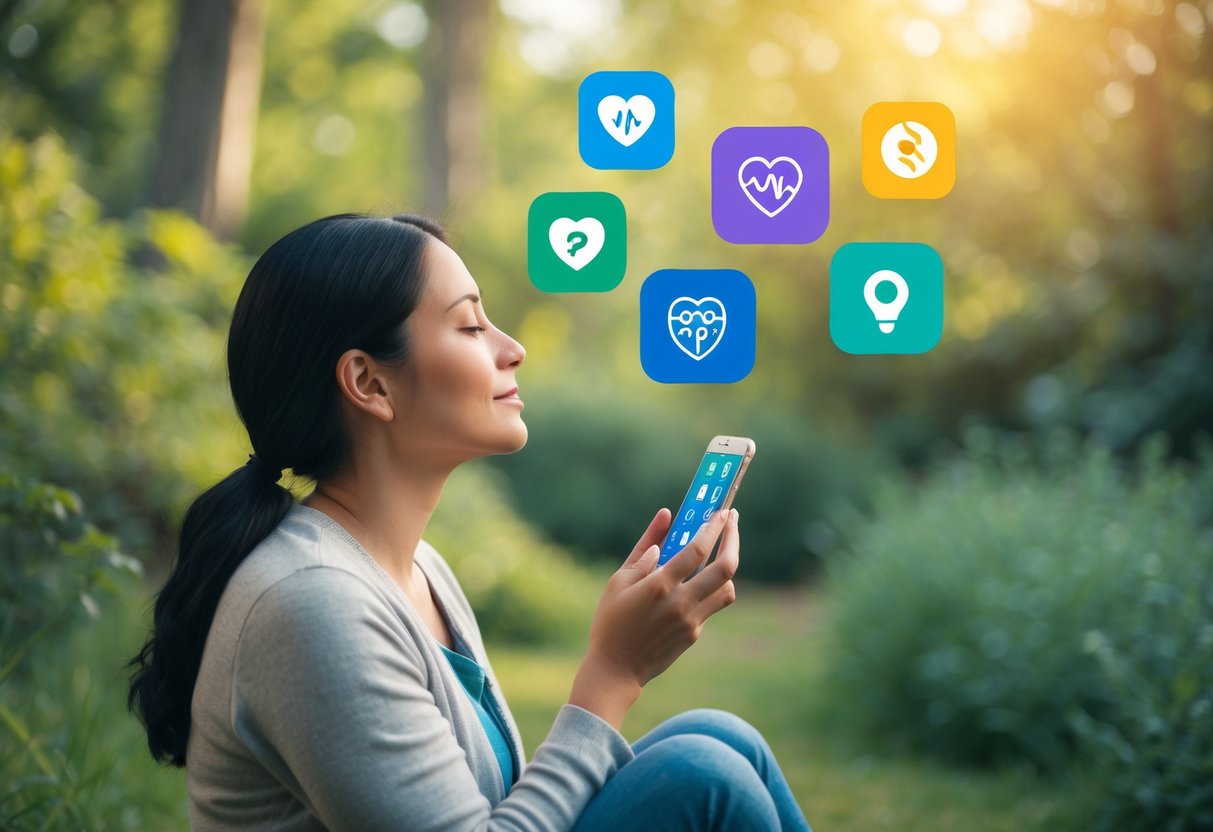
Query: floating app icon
{"points": [[724, 473], [770, 185], [697, 326], [625, 120], [908, 150], [576, 242], [886, 298], [703, 490]]}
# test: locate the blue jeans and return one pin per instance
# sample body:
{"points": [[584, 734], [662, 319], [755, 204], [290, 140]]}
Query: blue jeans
{"points": [[704, 769]]}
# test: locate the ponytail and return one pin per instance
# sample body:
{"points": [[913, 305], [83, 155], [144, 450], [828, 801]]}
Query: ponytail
{"points": [[221, 527], [342, 282]]}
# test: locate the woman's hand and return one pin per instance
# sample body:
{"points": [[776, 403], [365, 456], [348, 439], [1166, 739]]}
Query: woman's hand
{"points": [[648, 617]]}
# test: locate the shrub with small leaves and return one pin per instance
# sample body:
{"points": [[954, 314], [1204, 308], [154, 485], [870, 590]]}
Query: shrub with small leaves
{"points": [[1040, 601], [56, 566]]}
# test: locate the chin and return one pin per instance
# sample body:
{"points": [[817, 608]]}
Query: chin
{"points": [[520, 437]]}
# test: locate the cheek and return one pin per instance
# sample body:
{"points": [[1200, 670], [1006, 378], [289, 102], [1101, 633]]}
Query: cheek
{"points": [[457, 377]]}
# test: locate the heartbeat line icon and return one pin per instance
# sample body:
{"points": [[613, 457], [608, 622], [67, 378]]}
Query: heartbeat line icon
{"points": [[780, 184], [626, 119], [627, 123], [772, 181]]}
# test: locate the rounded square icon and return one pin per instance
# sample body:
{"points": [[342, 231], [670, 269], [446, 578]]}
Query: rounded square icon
{"points": [[770, 185], [697, 326], [625, 120], [908, 150], [886, 298], [576, 241]]}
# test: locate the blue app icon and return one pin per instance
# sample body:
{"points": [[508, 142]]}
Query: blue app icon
{"points": [[886, 298], [697, 326], [625, 120]]}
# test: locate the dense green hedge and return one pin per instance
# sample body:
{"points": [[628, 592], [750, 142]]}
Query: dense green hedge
{"points": [[1040, 602]]}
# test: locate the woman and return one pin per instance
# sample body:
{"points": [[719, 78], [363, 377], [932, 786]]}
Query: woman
{"points": [[316, 665]]}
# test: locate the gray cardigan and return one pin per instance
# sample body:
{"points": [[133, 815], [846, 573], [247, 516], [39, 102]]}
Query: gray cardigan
{"points": [[324, 702]]}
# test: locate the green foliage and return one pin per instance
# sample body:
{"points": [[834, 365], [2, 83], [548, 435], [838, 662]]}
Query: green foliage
{"points": [[524, 589], [598, 465], [1029, 597], [56, 566], [114, 375]]}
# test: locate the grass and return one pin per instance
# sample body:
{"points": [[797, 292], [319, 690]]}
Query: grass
{"points": [[760, 659]]}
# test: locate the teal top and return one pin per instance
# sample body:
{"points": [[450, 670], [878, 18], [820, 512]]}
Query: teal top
{"points": [[471, 675]]}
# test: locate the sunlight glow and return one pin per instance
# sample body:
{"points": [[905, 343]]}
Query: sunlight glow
{"points": [[821, 54], [945, 8], [1002, 22], [403, 25], [769, 60], [922, 37]]}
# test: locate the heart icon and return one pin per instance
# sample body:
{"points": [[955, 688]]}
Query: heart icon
{"points": [[771, 184], [697, 325], [576, 242], [626, 121]]}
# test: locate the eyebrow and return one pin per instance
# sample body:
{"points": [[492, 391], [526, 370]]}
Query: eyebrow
{"points": [[474, 297]]}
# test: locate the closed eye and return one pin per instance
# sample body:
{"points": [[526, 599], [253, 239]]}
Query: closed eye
{"points": [[473, 329]]}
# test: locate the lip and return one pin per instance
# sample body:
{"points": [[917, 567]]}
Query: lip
{"points": [[507, 394]]}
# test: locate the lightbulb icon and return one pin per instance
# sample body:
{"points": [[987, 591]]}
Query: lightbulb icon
{"points": [[886, 313]]}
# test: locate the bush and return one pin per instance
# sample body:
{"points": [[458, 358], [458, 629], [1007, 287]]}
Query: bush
{"points": [[114, 375], [57, 566], [598, 465], [1038, 602], [523, 588]]}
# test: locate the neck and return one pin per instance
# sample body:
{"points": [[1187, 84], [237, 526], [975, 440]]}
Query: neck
{"points": [[385, 509]]}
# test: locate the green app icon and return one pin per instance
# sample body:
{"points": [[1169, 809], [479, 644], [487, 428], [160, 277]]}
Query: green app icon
{"points": [[886, 298], [577, 241]]}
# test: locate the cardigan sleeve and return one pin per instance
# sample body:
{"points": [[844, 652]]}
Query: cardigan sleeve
{"points": [[330, 695]]}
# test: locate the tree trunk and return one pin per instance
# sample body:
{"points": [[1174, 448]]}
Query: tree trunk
{"points": [[210, 111], [452, 68]]}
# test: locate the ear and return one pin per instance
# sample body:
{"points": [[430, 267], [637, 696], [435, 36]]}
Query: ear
{"points": [[364, 384]]}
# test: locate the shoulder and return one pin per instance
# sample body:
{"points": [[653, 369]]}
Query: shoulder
{"points": [[325, 618]]}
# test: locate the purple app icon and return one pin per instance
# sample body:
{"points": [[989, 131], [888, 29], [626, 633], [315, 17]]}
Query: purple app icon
{"points": [[770, 185]]}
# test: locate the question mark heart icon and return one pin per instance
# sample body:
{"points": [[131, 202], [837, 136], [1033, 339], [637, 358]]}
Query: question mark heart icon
{"points": [[576, 242]]}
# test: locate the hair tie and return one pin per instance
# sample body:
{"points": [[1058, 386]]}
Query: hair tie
{"points": [[264, 467]]}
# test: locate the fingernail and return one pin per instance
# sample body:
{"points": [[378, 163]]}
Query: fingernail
{"points": [[736, 515]]}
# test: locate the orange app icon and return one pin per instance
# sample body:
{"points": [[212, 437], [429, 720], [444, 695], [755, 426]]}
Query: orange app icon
{"points": [[908, 150]]}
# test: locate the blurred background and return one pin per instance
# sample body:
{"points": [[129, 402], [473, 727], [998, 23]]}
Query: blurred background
{"points": [[976, 588]]}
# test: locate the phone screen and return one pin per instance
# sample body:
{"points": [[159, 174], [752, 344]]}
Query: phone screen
{"points": [[708, 490]]}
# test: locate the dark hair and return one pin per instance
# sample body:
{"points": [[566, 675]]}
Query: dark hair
{"points": [[339, 283]]}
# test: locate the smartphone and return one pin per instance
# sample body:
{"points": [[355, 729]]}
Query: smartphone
{"points": [[715, 484]]}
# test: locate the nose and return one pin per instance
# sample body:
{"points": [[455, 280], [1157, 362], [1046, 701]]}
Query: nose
{"points": [[512, 352]]}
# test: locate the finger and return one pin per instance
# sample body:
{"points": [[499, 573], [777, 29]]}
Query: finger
{"points": [[718, 600], [696, 552], [720, 571], [652, 535]]}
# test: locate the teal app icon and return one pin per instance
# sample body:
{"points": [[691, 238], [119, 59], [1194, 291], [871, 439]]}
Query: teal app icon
{"points": [[886, 298]]}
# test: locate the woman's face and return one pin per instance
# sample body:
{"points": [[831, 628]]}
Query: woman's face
{"points": [[460, 368]]}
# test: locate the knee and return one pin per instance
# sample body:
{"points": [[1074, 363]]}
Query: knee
{"points": [[728, 727], [715, 783]]}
